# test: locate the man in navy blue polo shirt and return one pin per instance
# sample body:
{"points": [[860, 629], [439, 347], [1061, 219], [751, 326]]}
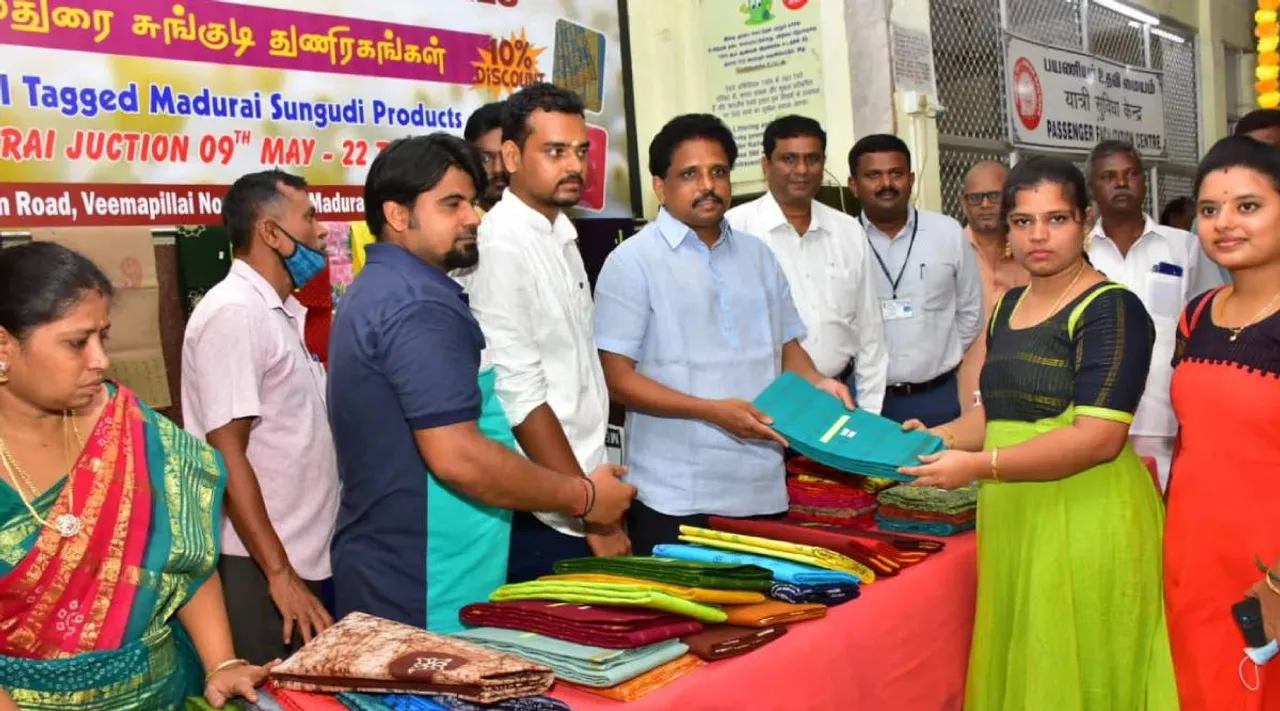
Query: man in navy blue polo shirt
{"points": [[426, 500]]}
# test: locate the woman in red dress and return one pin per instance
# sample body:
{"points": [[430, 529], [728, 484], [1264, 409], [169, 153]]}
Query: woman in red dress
{"points": [[1224, 495]]}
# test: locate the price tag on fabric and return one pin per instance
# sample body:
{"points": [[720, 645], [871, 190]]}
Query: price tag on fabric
{"points": [[896, 309]]}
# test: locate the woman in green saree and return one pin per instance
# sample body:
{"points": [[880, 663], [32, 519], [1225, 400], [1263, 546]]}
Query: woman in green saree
{"points": [[108, 515]]}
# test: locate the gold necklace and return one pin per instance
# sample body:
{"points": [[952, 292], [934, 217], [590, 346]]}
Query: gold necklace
{"points": [[1263, 313], [1057, 304], [68, 525]]}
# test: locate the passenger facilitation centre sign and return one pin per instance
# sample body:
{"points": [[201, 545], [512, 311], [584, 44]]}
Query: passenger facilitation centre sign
{"points": [[1064, 100]]}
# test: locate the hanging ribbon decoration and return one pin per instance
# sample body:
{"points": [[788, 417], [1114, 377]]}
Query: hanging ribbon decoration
{"points": [[1267, 31]]}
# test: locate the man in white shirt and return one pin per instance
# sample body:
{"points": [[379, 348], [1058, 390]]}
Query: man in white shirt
{"points": [[926, 276], [251, 388], [532, 298], [1163, 265], [823, 253]]}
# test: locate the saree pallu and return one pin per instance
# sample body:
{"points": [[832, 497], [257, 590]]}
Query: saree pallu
{"points": [[89, 622]]}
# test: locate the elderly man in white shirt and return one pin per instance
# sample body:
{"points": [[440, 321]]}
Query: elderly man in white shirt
{"points": [[1163, 265], [530, 293], [823, 253], [926, 277]]}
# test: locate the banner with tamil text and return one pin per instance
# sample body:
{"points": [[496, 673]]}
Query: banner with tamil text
{"points": [[1069, 101], [142, 112]]}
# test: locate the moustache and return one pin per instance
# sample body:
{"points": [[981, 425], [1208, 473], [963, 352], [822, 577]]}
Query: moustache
{"points": [[574, 179], [708, 196], [887, 193]]}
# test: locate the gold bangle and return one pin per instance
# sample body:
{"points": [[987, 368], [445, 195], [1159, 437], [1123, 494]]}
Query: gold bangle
{"points": [[995, 465], [223, 666], [948, 437]]}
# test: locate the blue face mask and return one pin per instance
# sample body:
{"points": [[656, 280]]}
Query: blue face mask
{"points": [[304, 264]]}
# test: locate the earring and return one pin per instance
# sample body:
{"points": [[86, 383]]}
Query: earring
{"points": [[1088, 242], [1008, 251], [4, 373]]}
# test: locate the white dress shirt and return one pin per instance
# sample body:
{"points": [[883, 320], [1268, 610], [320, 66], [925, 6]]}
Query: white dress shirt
{"points": [[829, 270], [940, 283], [1164, 295], [532, 298]]}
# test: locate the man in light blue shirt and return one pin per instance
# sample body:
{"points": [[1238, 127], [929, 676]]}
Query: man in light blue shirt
{"points": [[693, 320], [927, 280]]}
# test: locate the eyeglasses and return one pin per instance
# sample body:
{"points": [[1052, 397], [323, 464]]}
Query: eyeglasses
{"points": [[976, 199]]}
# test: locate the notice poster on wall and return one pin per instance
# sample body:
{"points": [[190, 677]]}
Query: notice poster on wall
{"points": [[1064, 100], [763, 61], [141, 113]]}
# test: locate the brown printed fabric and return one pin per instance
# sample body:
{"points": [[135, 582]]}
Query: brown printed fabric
{"points": [[363, 653], [722, 641]]}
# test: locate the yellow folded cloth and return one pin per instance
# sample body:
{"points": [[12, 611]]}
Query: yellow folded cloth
{"points": [[706, 595], [816, 556], [360, 238]]}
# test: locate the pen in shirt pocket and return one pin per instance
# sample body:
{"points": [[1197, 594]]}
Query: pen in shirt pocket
{"points": [[1172, 270]]}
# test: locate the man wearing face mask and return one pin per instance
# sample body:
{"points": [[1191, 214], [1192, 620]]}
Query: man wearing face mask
{"points": [[927, 281], [1164, 266], [251, 388], [532, 298]]}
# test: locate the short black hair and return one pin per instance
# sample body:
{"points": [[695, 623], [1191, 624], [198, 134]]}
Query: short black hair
{"points": [[876, 143], [1240, 152], [411, 166], [541, 96], [1177, 206], [41, 281], [248, 198], [687, 127], [792, 126], [1257, 120], [1111, 147], [1037, 170], [483, 120]]}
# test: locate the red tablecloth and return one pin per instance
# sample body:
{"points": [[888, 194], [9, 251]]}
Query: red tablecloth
{"points": [[904, 644]]}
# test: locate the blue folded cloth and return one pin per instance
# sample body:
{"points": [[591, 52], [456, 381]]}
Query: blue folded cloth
{"points": [[405, 702], [783, 570], [829, 595], [579, 663], [860, 442], [922, 528]]}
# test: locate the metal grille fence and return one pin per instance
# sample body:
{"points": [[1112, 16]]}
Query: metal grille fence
{"points": [[969, 56]]}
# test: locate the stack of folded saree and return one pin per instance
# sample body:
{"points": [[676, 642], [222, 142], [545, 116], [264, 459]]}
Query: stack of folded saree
{"points": [[271, 698], [646, 683], [363, 653], [689, 573], [606, 594], [705, 595], [829, 595], [815, 556], [857, 441], [884, 553], [782, 570], [928, 510], [823, 500], [583, 664], [612, 627]]}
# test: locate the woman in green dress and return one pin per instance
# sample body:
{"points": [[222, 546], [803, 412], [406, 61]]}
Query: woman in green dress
{"points": [[1070, 614]]}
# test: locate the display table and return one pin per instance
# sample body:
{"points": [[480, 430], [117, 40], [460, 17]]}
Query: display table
{"points": [[904, 644]]}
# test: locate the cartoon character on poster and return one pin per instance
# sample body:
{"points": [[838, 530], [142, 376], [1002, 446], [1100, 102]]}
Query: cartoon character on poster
{"points": [[758, 12]]}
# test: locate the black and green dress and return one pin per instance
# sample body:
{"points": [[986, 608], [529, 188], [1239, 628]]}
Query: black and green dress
{"points": [[1070, 613]]}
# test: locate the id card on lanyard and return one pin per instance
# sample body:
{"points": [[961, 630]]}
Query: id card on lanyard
{"points": [[895, 309]]}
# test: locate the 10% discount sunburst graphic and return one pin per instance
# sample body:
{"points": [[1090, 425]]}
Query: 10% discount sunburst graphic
{"points": [[508, 64]]}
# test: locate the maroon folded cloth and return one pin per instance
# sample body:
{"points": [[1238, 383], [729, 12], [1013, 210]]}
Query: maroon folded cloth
{"points": [[597, 625], [723, 641]]}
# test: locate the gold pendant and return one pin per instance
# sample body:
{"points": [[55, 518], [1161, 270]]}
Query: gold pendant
{"points": [[67, 525]]}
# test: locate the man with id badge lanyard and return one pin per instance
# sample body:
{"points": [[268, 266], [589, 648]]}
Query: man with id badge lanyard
{"points": [[251, 389], [927, 281], [1163, 265]]}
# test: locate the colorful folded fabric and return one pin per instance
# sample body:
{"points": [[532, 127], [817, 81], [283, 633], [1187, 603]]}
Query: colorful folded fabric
{"points": [[292, 700], [614, 627], [403, 702], [929, 498], [606, 594], [805, 469], [774, 612], [860, 549], [816, 556], [366, 653], [579, 663], [904, 544], [829, 595], [694, 574], [645, 683], [722, 641], [783, 570], [711, 597], [917, 515], [364, 702], [924, 528], [857, 441]]}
